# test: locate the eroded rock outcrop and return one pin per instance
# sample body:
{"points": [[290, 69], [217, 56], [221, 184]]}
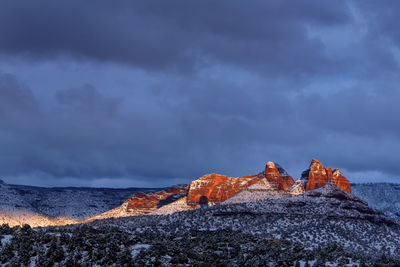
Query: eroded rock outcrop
{"points": [[215, 188], [211, 189], [274, 173], [147, 202], [272, 183], [340, 180], [317, 176]]}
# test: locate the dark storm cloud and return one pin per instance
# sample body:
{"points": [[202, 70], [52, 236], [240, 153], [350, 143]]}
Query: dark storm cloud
{"points": [[160, 92], [267, 36], [84, 133], [15, 98], [381, 19]]}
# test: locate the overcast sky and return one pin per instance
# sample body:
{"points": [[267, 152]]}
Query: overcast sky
{"points": [[155, 93]]}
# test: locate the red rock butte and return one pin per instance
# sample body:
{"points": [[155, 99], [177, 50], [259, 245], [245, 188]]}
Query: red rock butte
{"points": [[317, 176]]}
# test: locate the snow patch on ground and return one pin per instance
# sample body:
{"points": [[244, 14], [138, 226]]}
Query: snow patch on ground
{"points": [[5, 239], [136, 249], [176, 206]]}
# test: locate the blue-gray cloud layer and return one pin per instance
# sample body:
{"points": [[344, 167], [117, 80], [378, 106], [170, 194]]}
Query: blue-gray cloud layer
{"points": [[160, 92]]}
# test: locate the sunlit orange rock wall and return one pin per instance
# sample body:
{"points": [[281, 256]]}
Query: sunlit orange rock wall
{"points": [[216, 188], [276, 174], [149, 201], [317, 176], [340, 181]]}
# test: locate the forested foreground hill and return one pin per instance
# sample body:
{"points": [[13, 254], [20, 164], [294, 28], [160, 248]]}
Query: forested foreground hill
{"points": [[110, 246]]}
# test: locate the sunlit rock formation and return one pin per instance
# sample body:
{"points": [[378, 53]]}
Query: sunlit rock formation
{"points": [[276, 174], [317, 176], [147, 202], [215, 188]]}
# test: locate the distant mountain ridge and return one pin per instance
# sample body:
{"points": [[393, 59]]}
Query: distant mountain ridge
{"points": [[61, 205], [381, 196]]}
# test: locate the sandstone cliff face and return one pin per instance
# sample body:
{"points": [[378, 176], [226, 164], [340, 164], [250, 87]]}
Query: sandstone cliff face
{"points": [[216, 188], [340, 181], [147, 202], [317, 176], [274, 173]]}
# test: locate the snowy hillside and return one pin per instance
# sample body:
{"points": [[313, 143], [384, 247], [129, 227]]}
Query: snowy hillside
{"points": [[324, 227], [382, 196], [260, 227], [326, 219], [48, 203], [56, 206]]}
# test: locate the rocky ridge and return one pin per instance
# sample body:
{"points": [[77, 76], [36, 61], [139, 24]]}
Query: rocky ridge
{"points": [[213, 189]]}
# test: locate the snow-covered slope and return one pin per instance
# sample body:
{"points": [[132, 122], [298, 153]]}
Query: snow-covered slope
{"points": [[21, 217], [259, 191], [17, 210], [382, 196], [176, 206], [166, 201], [118, 212], [20, 204]]}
